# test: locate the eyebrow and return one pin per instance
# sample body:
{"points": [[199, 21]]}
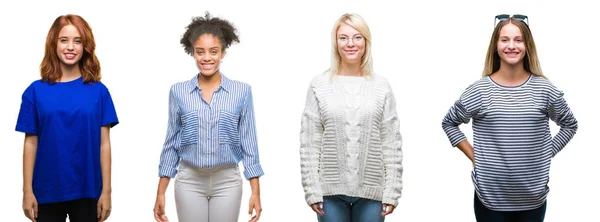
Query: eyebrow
{"points": [[216, 47], [352, 35]]}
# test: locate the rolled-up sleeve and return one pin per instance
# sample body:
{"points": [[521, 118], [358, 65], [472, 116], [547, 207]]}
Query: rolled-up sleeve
{"points": [[247, 132], [169, 157]]}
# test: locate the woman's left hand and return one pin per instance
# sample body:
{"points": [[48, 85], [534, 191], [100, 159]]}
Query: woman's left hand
{"points": [[254, 205], [387, 209], [104, 207]]}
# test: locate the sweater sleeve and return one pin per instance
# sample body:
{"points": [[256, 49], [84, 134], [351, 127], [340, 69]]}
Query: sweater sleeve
{"points": [[311, 135], [392, 151], [561, 114], [461, 112]]}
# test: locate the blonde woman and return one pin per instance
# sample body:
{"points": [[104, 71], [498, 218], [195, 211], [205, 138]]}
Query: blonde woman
{"points": [[510, 107], [351, 157]]}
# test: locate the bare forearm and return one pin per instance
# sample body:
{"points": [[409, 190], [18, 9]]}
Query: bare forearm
{"points": [[163, 183], [105, 160], [255, 186], [105, 166], [467, 149], [29, 155]]}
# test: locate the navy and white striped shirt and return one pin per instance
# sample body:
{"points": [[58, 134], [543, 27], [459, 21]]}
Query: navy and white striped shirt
{"points": [[512, 140], [206, 135]]}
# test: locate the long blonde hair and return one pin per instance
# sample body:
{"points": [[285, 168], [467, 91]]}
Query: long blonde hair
{"points": [[357, 22], [530, 61]]}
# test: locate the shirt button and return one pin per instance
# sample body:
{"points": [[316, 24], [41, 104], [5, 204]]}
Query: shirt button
{"points": [[208, 153]]}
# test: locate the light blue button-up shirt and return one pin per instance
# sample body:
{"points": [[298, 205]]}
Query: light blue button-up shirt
{"points": [[206, 135]]}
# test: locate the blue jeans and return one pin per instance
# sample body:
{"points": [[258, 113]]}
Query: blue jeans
{"points": [[483, 214], [341, 208]]}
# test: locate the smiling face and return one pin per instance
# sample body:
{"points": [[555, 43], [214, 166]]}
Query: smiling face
{"points": [[69, 47], [208, 54], [511, 46], [350, 44]]}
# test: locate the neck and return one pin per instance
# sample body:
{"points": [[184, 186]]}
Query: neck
{"points": [[512, 72], [349, 69], [510, 75], [69, 72], [211, 81]]}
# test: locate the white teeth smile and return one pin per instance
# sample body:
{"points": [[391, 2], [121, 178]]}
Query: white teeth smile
{"points": [[70, 56]]}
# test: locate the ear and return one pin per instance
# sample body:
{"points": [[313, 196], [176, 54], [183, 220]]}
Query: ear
{"points": [[223, 53]]}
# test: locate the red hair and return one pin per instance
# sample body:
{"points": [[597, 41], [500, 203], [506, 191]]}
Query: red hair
{"points": [[88, 64]]}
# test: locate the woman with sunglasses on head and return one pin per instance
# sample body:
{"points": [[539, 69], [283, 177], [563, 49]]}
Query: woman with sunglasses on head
{"points": [[210, 130], [66, 117], [351, 157], [511, 107]]}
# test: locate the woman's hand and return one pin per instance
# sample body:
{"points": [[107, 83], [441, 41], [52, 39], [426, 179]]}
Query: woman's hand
{"points": [[254, 205], [30, 206], [318, 208], [387, 209], [159, 209], [104, 207]]}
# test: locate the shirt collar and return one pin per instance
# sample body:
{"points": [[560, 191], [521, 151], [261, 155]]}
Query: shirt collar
{"points": [[225, 83]]}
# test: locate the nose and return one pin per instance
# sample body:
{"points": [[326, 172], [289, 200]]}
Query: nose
{"points": [[71, 46], [350, 42], [511, 45], [206, 57]]}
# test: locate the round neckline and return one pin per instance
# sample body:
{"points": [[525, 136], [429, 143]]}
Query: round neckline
{"points": [[349, 78], [71, 81], [511, 87]]}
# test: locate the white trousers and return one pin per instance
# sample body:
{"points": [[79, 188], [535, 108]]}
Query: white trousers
{"points": [[208, 194]]}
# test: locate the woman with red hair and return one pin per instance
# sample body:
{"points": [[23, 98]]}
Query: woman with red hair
{"points": [[66, 116]]}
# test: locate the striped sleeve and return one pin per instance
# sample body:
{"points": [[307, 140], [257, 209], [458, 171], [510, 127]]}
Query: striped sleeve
{"points": [[311, 136], [561, 114], [392, 151], [169, 158], [247, 132], [461, 112]]}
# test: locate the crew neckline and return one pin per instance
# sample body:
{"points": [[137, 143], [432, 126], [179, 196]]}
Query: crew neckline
{"points": [[511, 87]]}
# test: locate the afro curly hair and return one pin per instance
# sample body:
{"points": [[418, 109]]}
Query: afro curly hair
{"points": [[220, 28]]}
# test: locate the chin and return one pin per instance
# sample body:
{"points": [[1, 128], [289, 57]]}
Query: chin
{"points": [[209, 73]]}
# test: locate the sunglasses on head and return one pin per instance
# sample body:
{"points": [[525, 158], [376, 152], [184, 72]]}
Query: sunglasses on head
{"points": [[504, 17]]}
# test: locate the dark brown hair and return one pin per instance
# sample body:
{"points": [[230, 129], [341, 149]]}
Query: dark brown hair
{"points": [[222, 29]]}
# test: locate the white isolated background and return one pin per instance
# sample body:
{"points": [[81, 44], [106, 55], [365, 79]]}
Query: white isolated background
{"points": [[430, 51]]}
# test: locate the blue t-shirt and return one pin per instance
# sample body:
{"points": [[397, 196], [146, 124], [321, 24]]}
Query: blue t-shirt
{"points": [[67, 118]]}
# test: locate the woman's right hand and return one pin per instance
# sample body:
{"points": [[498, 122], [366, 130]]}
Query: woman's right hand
{"points": [[318, 208], [159, 209], [30, 206]]}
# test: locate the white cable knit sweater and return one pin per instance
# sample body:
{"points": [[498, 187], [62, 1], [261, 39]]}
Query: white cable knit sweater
{"points": [[350, 139]]}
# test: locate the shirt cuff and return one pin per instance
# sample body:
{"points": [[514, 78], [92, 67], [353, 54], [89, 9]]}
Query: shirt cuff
{"points": [[253, 171], [167, 172]]}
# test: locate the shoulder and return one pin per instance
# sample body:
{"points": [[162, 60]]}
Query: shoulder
{"points": [[98, 85], [380, 80], [324, 77], [541, 84], [239, 85], [180, 86], [36, 83], [34, 86], [544, 83], [477, 86]]}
